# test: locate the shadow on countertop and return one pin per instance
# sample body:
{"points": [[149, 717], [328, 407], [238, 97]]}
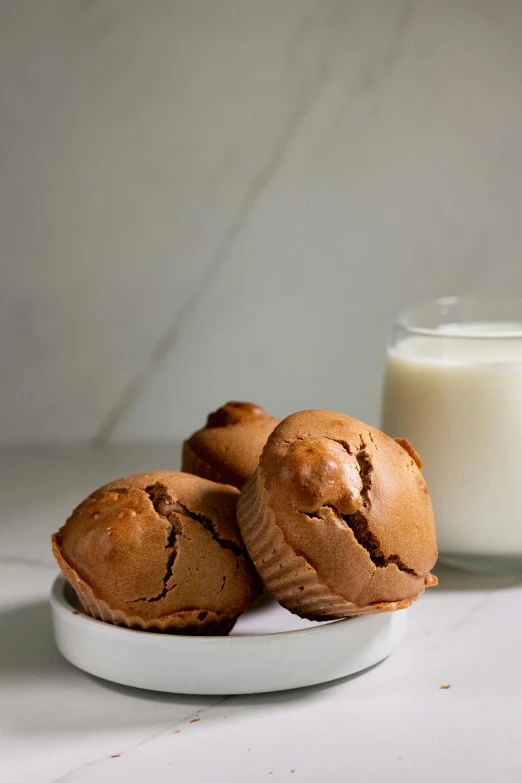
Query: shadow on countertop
{"points": [[41, 691], [27, 647]]}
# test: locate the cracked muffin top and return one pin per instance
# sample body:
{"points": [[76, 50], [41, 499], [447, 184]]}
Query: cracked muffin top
{"points": [[159, 551], [338, 518], [228, 448]]}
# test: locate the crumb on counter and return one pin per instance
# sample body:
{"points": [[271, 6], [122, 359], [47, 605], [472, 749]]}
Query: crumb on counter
{"points": [[195, 720], [116, 756], [444, 687]]}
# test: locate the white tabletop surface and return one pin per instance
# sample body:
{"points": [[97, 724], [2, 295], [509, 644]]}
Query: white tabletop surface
{"points": [[393, 722]]}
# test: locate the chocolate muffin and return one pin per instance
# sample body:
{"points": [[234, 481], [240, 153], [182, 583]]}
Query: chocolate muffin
{"points": [[160, 552], [338, 519], [228, 448]]}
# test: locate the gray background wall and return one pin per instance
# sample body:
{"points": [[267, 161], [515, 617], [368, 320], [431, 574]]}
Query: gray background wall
{"points": [[210, 199]]}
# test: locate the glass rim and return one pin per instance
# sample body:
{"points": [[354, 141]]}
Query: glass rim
{"points": [[403, 317]]}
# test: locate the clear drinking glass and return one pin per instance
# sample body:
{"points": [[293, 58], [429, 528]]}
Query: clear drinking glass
{"points": [[453, 387]]}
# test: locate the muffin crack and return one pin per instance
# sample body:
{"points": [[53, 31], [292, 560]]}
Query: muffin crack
{"points": [[208, 524], [358, 524], [364, 463], [344, 444], [160, 500], [170, 546], [165, 506], [357, 521]]}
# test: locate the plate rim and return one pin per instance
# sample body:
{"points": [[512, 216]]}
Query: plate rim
{"points": [[60, 604]]}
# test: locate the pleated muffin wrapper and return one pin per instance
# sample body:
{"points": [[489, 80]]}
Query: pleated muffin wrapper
{"points": [[191, 463], [287, 575], [193, 622]]}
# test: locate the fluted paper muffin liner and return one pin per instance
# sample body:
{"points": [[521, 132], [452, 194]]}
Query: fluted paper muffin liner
{"points": [[287, 574], [188, 623], [191, 463]]}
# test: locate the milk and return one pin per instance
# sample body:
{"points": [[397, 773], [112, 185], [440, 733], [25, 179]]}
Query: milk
{"points": [[457, 396]]}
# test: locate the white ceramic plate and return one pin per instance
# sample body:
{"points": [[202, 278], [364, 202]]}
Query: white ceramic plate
{"points": [[268, 650]]}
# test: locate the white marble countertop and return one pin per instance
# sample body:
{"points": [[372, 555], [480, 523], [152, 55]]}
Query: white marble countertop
{"points": [[59, 724]]}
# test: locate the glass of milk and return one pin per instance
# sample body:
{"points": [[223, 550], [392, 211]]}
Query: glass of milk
{"points": [[453, 387]]}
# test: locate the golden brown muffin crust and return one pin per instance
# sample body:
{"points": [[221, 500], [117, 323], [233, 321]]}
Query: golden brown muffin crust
{"points": [[228, 448], [161, 544], [351, 504]]}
